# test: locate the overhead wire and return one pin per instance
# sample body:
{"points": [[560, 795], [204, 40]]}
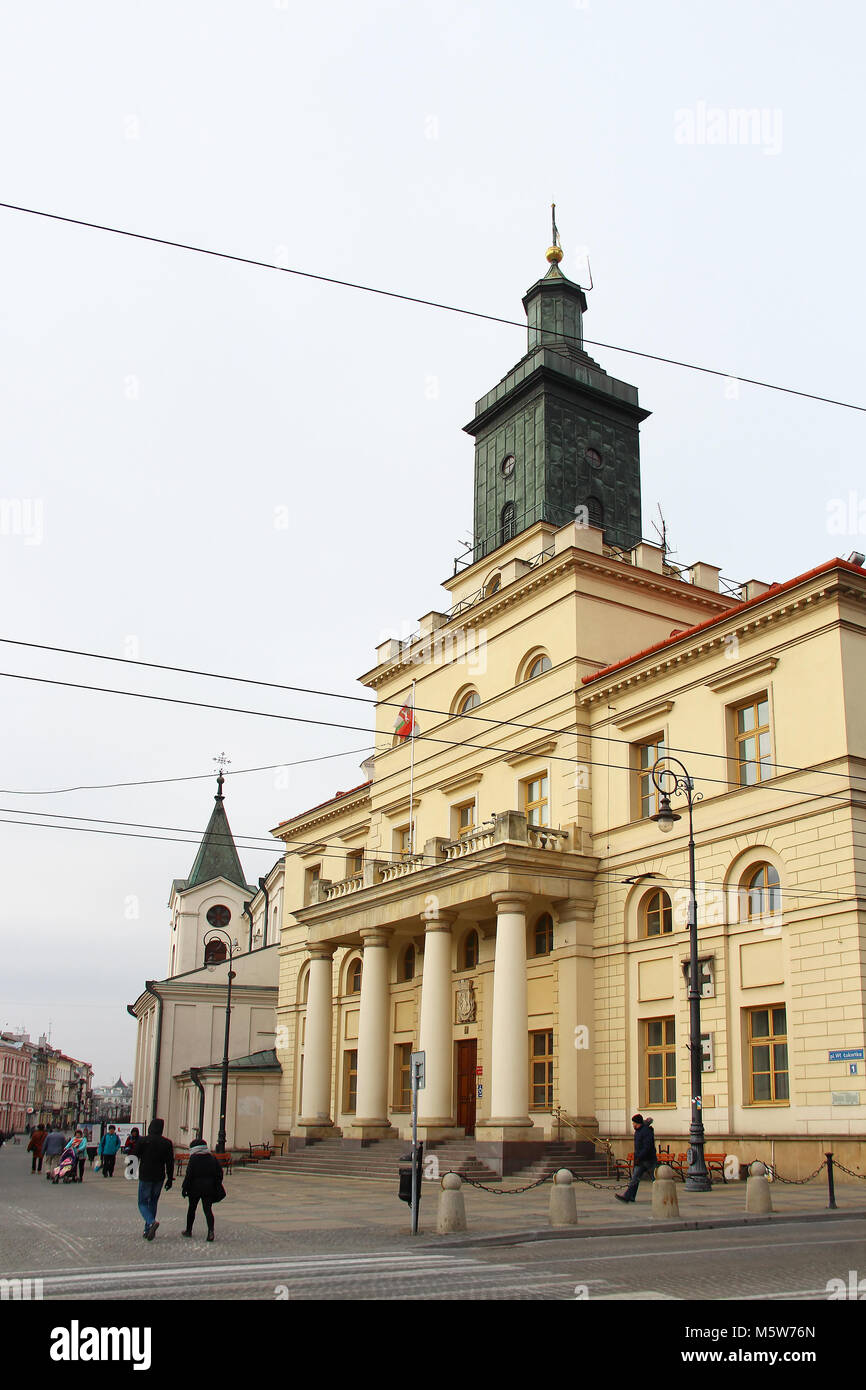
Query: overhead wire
{"points": [[335, 695], [416, 299], [396, 856]]}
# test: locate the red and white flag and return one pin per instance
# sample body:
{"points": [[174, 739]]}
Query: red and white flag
{"points": [[406, 726]]}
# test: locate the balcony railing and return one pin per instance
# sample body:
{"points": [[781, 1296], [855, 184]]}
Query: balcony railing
{"points": [[508, 827]]}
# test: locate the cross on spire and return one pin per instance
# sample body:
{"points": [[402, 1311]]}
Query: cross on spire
{"points": [[222, 761]]}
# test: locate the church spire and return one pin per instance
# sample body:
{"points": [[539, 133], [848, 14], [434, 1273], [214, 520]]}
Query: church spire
{"points": [[217, 856]]}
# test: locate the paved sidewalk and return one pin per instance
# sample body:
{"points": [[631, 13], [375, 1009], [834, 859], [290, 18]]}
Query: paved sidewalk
{"points": [[282, 1201], [269, 1211]]}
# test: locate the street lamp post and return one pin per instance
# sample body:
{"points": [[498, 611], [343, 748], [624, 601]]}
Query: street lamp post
{"points": [[670, 783], [216, 938]]}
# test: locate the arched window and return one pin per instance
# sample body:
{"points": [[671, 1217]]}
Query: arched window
{"points": [[596, 511], [536, 665], [760, 892], [506, 523], [215, 951], [466, 700], [656, 918], [469, 951], [492, 586], [543, 935], [355, 971], [407, 966]]}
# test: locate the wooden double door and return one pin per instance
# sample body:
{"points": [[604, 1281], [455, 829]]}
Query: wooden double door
{"points": [[467, 1081]]}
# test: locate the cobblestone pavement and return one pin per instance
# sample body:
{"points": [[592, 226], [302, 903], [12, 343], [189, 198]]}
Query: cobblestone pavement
{"points": [[281, 1237]]}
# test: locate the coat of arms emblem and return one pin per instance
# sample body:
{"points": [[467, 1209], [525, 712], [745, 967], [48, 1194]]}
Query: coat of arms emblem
{"points": [[465, 1001]]}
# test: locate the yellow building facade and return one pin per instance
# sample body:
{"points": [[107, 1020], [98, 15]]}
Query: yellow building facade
{"points": [[495, 893]]}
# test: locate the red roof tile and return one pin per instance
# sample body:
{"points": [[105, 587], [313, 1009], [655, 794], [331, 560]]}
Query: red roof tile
{"points": [[773, 590]]}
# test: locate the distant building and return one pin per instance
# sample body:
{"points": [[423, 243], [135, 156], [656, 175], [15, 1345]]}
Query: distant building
{"points": [[113, 1103]]}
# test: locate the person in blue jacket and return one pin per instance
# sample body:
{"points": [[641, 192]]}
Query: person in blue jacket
{"points": [[109, 1145], [644, 1157]]}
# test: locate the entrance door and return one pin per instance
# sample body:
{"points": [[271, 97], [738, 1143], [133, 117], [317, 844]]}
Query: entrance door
{"points": [[467, 1056]]}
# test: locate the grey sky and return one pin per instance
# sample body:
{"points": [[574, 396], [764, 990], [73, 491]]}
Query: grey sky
{"points": [[161, 407]]}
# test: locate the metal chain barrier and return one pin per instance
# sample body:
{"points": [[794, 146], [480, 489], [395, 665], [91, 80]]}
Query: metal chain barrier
{"points": [[849, 1171], [504, 1191], [510, 1191], [794, 1182]]}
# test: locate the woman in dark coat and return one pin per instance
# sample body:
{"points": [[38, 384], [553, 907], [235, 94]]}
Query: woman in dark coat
{"points": [[203, 1182]]}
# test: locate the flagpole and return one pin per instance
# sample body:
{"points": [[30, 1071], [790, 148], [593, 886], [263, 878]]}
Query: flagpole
{"points": [[412, 778]]}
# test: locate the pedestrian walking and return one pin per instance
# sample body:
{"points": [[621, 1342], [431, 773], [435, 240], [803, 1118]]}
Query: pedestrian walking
{"points": [[35, 1147], [155, 1156], [80, 1146], [644, 1157], [108, 1147], [53, 1147], [203, 1182]]}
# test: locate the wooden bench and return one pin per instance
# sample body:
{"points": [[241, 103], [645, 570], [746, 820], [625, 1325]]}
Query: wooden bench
{"points": [[181, 1159], [259, 1151], [715, 1164]]}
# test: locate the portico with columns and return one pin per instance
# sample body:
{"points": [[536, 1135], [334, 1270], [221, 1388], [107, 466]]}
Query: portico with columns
{"points": [[465, 925]]}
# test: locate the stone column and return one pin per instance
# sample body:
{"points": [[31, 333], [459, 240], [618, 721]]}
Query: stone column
{"points": [[316, 1098], [435, 1103], [371, 1118], [509, 1091]]}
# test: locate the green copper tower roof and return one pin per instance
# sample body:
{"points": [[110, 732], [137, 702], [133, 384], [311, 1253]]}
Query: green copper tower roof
{"points": [[217, 856], [557, 439]]}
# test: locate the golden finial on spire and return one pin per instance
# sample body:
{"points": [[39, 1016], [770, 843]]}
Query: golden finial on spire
{"points": [[554, 251]]}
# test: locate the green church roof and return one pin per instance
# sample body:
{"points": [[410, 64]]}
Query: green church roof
{"points": [[217, 856]]}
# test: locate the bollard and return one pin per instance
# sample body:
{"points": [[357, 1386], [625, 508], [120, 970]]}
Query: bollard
{"points": [[758, 1190], [831, 1189], [665, 1201], [563, 1203], [452, 1212]]}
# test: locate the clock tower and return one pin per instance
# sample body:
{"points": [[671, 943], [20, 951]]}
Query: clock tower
{"points": [[557, 439]]}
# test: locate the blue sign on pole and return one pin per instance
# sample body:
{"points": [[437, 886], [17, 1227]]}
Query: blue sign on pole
{"points": [[847, 1054]]}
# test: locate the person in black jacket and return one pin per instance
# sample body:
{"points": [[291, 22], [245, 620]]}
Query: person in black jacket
{"points": [[155, 1166], [203, 1182], [644, 1157]]}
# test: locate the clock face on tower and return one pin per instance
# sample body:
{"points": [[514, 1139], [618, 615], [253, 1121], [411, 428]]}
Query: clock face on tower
{"points": [[593, 458], [219, 916], [507, 465]]}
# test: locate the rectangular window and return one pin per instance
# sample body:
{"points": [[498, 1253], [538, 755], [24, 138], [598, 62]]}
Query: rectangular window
{"points": [[647, 754], [768, 1056], [541, 1070], [403, 842], [660, 1062], [465, 819], [402, 1076], [355, 863], [350, 1082], [536, 803], [752, 741], [311, 878]]}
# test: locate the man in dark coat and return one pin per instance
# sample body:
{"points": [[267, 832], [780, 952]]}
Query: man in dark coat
{"points": [[644, 1157], [155, 1156], [55, 1143], [203, 1182]]}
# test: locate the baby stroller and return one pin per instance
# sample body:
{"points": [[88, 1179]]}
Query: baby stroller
{"points": [[67, 1167]]}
